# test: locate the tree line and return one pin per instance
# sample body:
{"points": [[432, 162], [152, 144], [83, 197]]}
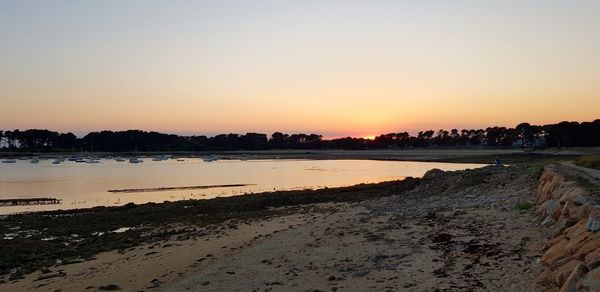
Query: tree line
{"points": [[563, 134]]}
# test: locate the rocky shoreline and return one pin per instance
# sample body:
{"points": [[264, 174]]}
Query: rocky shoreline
{"points": [[570, 220]]}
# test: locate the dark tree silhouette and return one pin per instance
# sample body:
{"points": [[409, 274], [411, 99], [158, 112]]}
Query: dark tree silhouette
{"points": [[563, 134]]}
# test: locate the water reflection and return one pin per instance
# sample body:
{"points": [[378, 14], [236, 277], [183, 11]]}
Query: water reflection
{"points": [[82, 185]]}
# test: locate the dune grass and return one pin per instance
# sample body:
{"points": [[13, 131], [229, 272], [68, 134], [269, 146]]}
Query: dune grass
{"points": [[590, 161]]}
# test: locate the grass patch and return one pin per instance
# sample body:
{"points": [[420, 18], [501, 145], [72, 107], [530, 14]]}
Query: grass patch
{"points": [[589, 161], [524, 206], [536, 168]]}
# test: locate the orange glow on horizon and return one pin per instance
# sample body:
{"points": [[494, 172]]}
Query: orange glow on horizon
{"points": [[406, 66]]}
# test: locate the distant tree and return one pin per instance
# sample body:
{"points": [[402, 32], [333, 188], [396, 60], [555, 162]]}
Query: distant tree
{"points": [[563, 134], [279, 140]]}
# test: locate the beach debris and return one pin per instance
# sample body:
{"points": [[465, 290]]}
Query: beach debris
{"points": [[9, 236], [122, 229], [51, 275], [110, 287]]}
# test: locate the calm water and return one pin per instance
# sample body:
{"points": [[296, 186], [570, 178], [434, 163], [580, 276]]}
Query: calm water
{"points": [[85, 185]]}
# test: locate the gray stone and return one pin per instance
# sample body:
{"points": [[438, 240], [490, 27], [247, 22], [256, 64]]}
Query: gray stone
{"points": [[548, 221], [593, 223], [549, 206], [591, 281]]}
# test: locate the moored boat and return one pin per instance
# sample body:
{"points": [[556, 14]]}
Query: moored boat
{"points": [[135, 160], [211, 158]]}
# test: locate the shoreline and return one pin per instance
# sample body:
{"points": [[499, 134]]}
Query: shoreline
{"points": [[468, 210], [85, 224], [457, 155], [194, 179], [420, 221]]}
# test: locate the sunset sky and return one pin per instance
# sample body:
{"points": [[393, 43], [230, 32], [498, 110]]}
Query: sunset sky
{"points": [[332, 67]]}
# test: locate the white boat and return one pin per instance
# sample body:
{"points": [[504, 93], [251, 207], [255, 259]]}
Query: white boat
{"points": [[135, 160], [35, 160], [80, 159], [92, 160], [119, 159], [162, 157], [211, 158], [9, 160]]}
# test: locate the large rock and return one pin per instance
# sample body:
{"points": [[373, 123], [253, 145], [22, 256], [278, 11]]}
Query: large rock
{"points": [[559, 228], [593, 223], [557, 212], [577, 213], [433, 173], [575, 194], [548, 222], [567, 208], [592, 259], [570, 285], [579, 227], [549, 182], [547, 208], [577, 241], [555, 252], [585, 249], [545, 278], [563, 272], [591, 281]]}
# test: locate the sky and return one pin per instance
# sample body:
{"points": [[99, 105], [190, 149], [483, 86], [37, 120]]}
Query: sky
{"points": [[337, 68]]}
